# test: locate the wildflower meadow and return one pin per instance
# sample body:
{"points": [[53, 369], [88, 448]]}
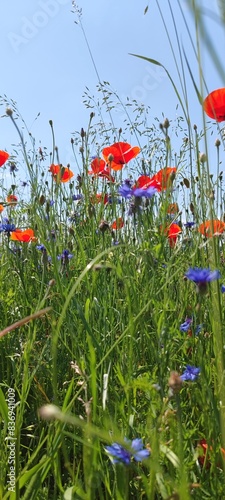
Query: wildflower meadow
{"points": [[112, 301]]}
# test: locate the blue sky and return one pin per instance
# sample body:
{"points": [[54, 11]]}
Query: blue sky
{"points": [[46, 64]]}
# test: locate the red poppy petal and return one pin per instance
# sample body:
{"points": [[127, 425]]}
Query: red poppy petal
{"points": [[214, 105], [210, 228], [67, 175], [97, 166], [118, 223], [122, 152], [54, 169], [3, 157]]}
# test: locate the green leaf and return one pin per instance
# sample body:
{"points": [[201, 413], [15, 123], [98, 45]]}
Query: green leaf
{"points": [[30, 473], [172, 457], [3, 406]]}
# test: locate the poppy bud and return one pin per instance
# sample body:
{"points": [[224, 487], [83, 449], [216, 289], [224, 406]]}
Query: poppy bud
{"points": [[82, 133], [51, 283], [166, 123], [9, 111], [110, 157], [217, 143], [202, 158], [103, 226]]}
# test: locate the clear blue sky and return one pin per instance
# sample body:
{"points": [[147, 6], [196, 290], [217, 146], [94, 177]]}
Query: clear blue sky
{"points": [[46, 65]]}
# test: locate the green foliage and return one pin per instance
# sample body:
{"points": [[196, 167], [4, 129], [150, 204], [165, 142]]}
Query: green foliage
{"points": [[91, 345]]}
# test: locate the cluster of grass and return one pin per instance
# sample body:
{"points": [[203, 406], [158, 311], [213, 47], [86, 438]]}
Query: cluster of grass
{"points": [[91, 311]]}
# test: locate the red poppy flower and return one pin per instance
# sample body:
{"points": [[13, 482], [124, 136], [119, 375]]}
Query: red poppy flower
{"points": [[165, 177], [211, 228], [214, 105], [97, 166], [60, 173], [12, 199], [3, 157], [118, 223], [144, 182], [119, 154], [1, 208], [25, 236], [100, 169], [106, 173], [204, 455], [172, 232]]}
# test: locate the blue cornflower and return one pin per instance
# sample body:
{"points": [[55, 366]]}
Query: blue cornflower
{"points": [[12, 167], [202, 276], [7, 228], [65, 255], [119, 454], [128, 182], [223, 288], [77, 197], [125, 190], [24, 183], [184, 327], [41, 247], [191, 373], [189, 224], [146, 193]]}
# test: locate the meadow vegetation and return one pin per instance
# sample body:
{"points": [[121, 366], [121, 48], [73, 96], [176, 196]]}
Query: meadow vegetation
{"points": [[112, 306]]}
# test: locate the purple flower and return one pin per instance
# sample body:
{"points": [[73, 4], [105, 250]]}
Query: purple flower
{"points": [[65, 255], [41, 247], [77, 197], [191, 373], [128, 182], [12, 167], [202, 276], [7, 227], [146, 193], [184, 327], [24, 183], [189, 224], [223, 288], [135, 450], [125, 191]]}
